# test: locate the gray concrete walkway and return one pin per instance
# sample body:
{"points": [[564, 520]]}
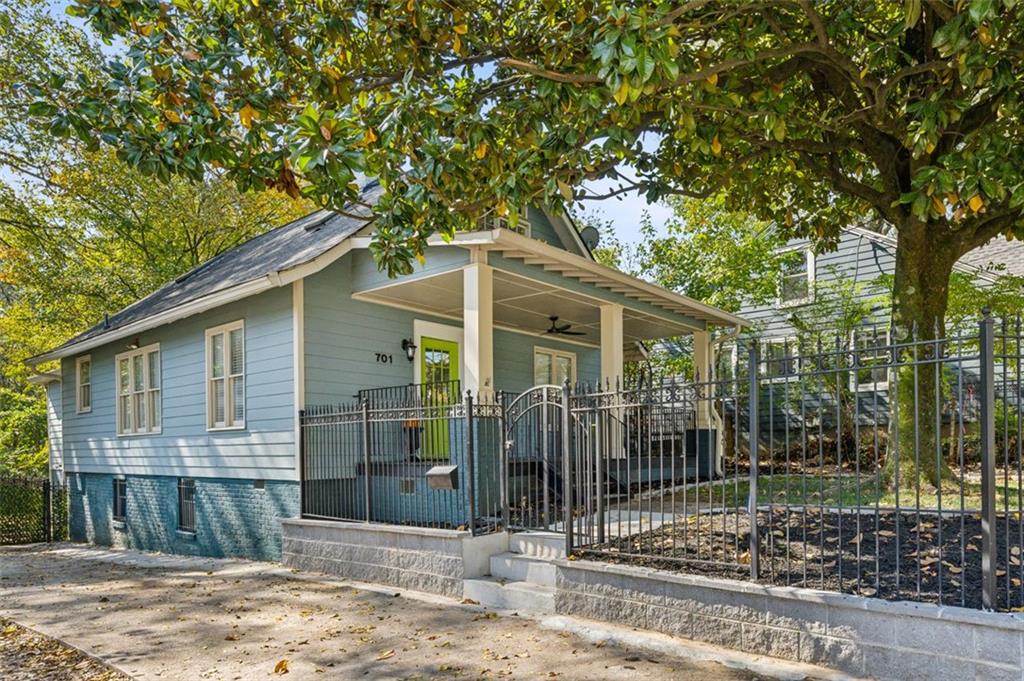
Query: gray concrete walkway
{"points": [[168, 617]]}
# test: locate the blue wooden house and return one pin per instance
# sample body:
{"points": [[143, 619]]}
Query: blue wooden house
{"points": [[175, 422]]}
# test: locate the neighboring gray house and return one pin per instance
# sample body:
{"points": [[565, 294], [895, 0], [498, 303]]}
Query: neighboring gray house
{"points": [[175, 422], [862, 256]]}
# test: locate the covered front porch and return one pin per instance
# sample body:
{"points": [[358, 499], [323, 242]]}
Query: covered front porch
{"points": [[501, 326], [594, 318]]}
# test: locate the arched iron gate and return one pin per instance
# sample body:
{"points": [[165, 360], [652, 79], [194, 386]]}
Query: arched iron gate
{"points": [[534, 446]]}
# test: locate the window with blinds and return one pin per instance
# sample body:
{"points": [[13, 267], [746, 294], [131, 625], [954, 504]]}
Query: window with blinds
{"points": [[225, 376], [138, 390]]}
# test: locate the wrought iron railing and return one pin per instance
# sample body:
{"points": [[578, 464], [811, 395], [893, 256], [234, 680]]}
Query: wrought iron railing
{"points": [[893, 471], [419, 455], [447, 392]]}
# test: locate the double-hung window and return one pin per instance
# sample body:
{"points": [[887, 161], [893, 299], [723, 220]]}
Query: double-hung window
{"points": [[553, 367], [796, 278], [225, 376], [83, 384], [873, 355], [138, 390], [781, 359]]}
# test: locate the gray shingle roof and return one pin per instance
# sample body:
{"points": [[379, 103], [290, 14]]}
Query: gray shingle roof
{"points": [[278, 250], [998, 256]]}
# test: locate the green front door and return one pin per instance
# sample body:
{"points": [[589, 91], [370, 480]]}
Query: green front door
{"points": [[439, 367]]}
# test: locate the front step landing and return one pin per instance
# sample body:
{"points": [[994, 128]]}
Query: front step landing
{"points": [[519, 568], [549, 545], [494, 592]]}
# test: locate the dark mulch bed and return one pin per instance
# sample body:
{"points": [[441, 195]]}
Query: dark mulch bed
{"points": [[25, 655], [896, 556]]}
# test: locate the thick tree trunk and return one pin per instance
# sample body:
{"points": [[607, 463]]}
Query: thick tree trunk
{"points": [[924, 264]]}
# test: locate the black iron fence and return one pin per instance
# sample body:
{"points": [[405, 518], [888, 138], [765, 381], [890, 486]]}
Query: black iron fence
{"points": [[415, 455], [32, 510], [884, 469], [889, 467]]}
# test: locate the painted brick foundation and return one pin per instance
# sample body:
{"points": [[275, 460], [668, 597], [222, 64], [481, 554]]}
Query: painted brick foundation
{"points": [[233, 518]]}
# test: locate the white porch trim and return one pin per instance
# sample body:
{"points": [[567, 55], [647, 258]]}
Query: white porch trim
{"points": [[298, 361], [478, 325], [612, 350]]}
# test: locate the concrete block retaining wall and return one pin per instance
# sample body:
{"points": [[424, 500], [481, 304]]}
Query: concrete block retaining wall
{"points": [[416, 558], [859, 636]]}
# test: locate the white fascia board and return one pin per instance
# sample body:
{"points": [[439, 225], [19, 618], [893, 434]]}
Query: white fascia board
{"points": [[203, 304], [521, 243]]}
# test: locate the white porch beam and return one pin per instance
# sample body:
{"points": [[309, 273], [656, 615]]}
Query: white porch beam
{"points": [[478, 324], [611, 343]]}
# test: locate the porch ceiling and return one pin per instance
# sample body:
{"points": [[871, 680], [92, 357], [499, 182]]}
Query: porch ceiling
{"points": [[523, 304]]}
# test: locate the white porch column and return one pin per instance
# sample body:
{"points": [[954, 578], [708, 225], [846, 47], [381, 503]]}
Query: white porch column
{"points": [[478, 324], [702, 372], [611, 344]]}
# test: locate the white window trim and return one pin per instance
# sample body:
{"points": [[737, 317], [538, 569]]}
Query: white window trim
{"points": [[869, 386], [207, 379], [766, 359], [144, 351], [79, 409], [811, 276], [554, 353]]}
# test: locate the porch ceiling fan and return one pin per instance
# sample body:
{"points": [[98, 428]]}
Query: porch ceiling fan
{"points": [[563, 329]]}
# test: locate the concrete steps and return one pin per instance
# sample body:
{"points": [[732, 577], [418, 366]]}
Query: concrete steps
{"points": [[494, 592], [523, 578], [515, 567], [548, 545]]}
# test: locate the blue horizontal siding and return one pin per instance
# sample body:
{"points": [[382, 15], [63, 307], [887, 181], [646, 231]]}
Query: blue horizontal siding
{"points": [[343, 336], [856, 258], [264, 449]]}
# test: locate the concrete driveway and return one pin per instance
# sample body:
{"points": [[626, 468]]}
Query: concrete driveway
{"points": [[169, 617]]}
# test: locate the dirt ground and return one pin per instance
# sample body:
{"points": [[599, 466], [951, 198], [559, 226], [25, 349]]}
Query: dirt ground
{"points": [[158, 617], [906, 556], [28, 656]]}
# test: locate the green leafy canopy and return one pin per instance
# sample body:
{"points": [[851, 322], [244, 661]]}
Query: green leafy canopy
{"points": [[808, 114]]}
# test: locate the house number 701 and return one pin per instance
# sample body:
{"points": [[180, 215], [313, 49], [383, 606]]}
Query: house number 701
{"points": [[385, 358]]}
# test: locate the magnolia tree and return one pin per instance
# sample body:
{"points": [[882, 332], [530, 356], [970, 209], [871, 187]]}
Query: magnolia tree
{"points": [[808, 114]]}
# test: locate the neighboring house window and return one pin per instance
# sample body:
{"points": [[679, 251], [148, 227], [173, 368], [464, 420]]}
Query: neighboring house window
{"points": [[225, 376], [138, 390], [83, 383], [186, 504], [553, 367], [120, 499], [725, 362], [872, 348], [493, 221], [796, 280], [780, 358]]}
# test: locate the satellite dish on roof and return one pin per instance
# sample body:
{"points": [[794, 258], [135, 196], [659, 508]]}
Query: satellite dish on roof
{"points": [[590, 236]]}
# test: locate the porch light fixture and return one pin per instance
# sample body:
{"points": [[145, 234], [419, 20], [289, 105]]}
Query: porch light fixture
{"points": [[410, 349]]}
